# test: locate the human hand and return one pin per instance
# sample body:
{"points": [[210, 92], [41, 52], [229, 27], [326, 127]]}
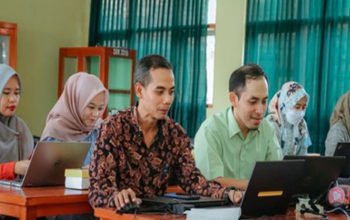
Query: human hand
{"points": [[124, 197], [235, 196], [21, 167]]}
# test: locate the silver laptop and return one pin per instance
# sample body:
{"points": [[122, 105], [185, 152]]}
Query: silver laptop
{"points": [[48, 162]]}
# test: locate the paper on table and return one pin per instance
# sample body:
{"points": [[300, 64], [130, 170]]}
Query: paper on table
{"points": [[221, 213]]}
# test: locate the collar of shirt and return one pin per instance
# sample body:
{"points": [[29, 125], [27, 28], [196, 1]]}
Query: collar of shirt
{"points": [[233, 127], [161, 124]]}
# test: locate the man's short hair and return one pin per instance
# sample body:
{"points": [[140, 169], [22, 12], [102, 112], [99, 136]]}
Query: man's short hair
{"points": [[142, 71], [239, 77]]}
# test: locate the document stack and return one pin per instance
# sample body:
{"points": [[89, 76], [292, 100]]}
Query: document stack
{"points": [[77, 178]]}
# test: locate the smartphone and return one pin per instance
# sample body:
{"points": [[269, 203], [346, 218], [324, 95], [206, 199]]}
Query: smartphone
{"points": [[182, 196]]}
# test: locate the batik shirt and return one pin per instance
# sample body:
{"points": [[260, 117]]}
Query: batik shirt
{"points": [[121, 160]]}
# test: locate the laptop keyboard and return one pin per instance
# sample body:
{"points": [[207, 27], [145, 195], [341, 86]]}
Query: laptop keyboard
{"points": [[15, 182]]}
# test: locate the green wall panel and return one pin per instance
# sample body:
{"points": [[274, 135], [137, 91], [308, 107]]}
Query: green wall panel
{"points": [[119, 73]]}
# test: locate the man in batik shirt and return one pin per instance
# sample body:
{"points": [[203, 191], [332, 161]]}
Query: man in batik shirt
{"points": [[139, 148]]}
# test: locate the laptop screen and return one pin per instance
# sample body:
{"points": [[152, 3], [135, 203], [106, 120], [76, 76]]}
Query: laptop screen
{"points": [[50, 159], [270, 187], [318, 174], [343, 149]]}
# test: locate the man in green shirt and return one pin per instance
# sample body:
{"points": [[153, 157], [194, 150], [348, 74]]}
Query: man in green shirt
{"points": [[228, 144]]}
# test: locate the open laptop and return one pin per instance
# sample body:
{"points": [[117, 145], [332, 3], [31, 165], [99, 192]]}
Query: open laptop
{"points": [[268, 191], [319, 173], [270, 187], [48, 162], [343, 149]]}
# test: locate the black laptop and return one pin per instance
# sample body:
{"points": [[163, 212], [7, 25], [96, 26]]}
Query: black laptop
{"points": [[270, 187], [318, 174], [268, 191], [343, 149], [178, 206]]}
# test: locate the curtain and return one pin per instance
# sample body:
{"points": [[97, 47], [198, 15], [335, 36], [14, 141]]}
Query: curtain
{"points": [[176, 29], [335, 62], [303, 41]]}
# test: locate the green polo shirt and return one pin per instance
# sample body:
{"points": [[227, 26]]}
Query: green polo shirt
{"points": [[221, 150]]}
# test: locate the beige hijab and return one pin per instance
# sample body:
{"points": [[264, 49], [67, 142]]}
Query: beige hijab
{"points": [[342, 111], [16, 140], [65, 120]]}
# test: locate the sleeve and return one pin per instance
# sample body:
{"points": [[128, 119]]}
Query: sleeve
{"points": [[51, 139], [334, 136], [207, 154], [274, 149], [93, 140], [306, 142], [103, 185], [189, 177], [274, 124], [88, 156], [7, 170]]}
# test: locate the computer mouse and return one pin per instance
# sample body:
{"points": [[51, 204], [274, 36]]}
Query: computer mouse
{"points": [[130, 207]]}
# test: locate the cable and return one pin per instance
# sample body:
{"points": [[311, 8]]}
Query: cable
{"points": [[340, 209]]}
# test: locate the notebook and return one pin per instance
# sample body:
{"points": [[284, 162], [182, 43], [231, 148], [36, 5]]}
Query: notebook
{"points": [[48, 162], [319, 173], [343, 149], [270, 187]]}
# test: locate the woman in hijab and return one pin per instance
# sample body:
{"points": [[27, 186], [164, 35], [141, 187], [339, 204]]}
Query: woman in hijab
{"points": [[76, 115], [16, 140], [286, 112], [339, 124]]}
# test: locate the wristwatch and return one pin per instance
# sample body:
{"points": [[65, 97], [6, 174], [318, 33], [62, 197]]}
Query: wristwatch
{"points": [[226, 192]]}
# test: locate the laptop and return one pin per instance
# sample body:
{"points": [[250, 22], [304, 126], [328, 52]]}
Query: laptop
{"points": [[268, 191], [270, 187], [318, 174], [343, 149], [178, 206], [48, 162]]}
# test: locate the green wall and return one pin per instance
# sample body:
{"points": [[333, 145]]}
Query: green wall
{"points": [[43, 27], [46, 25], [229, 44]]}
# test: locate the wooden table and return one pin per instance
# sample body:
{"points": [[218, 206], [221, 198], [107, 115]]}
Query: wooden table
{"points": [[110, 214], [291, 216], [30, 202]]}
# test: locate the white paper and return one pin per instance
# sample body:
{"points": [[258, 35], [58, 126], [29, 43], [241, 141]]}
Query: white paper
{"points": [[222, 213]]}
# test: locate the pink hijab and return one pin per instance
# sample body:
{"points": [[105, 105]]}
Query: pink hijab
{"points": [[65, 120]]}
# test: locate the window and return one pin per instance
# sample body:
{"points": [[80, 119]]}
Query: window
{"points": [[8, 43], [211, 51]]}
